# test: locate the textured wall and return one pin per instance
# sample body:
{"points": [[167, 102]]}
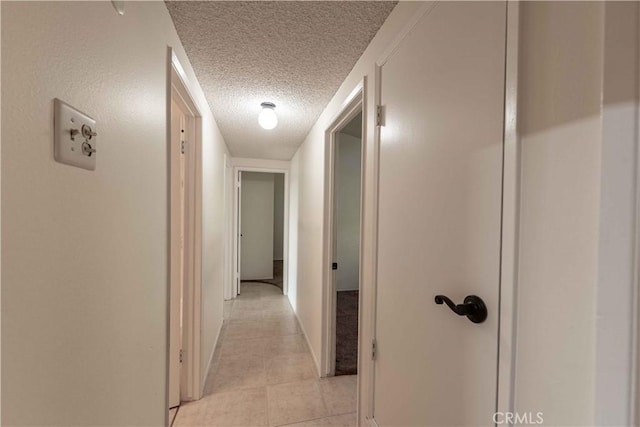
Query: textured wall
{"points": [[84, 254]]}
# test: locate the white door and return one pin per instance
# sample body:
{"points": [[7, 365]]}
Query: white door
{"points": [[178, 121], [257, 226], [439, 218]]}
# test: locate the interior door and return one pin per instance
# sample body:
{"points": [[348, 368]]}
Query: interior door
{"points": [[257, 226], [439, 218], [178, 121]]}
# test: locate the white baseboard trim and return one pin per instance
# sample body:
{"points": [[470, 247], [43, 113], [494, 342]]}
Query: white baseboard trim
{"points": [[203, 381], [306, 337]]}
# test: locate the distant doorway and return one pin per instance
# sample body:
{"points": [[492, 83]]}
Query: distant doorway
{"points": [[261, 211]]}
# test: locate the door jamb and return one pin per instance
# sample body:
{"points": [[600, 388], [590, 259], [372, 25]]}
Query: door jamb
{"points": [[508, 292], [192, 309], [229, 187], [353, 105], [285, 242], [634, 398]]}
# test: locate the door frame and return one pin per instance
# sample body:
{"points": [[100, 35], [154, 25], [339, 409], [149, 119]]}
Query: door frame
{"points": [[511, 172], [229, 188], [354, 104], [190, 382], [266, 166]]}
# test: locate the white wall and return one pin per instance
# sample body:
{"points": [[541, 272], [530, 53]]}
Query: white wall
{"points": [[278, 215], [560, 132], [348, 169], [615, 317], [257, 226], [577, 114], [85, 254], [213, 231]]}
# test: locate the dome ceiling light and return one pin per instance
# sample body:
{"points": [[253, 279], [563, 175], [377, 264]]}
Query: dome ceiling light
{"points": [[267, 118]]}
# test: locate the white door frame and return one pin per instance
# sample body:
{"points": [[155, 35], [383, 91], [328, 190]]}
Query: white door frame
{"points": [[179, 165], [229, 188], [192, 308], [634, 398], [354, 104], [267, 167], [508, 296]]}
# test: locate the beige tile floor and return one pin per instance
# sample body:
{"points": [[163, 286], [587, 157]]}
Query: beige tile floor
{"points": [[262, 372]]}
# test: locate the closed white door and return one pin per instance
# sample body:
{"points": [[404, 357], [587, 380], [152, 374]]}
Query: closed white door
{"points": [[178, 122], [439, 218], [257, 196]]}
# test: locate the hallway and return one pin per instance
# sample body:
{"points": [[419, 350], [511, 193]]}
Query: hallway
{"points": [[485, 156], [262, 373]]}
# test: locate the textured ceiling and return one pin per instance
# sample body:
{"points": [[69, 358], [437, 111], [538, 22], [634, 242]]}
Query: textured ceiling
{"points": [[292, 53]]}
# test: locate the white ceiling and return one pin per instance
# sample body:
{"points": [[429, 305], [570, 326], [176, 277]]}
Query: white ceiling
{"points": [[292, 53]]}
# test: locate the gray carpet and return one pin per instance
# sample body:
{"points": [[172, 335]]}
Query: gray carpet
{"points": [[347, 333]]}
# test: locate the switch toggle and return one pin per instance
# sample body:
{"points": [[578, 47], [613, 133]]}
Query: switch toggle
{"points": [[87, 132], [87, 149], [75, 136]]}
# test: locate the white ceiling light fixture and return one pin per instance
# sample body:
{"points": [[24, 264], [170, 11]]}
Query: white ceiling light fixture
{"points": [[267, 118]]}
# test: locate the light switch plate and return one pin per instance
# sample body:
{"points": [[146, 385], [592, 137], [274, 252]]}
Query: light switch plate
{"points": [[67, 146]]}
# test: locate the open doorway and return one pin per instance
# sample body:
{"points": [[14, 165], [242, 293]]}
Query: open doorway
{"points": [[342, 240], [347, 183], [261, 224]]}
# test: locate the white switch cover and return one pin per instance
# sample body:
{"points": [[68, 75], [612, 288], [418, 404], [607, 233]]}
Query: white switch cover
{"points": [[72, 144]]}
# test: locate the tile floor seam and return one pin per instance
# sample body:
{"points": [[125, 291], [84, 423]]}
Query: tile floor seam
{"points": [[314, 419], [324, 402], [291, 382], [268, 411]]}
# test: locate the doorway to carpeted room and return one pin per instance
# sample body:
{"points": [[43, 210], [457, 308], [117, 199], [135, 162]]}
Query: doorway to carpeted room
{"points": [[347, 333]]}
